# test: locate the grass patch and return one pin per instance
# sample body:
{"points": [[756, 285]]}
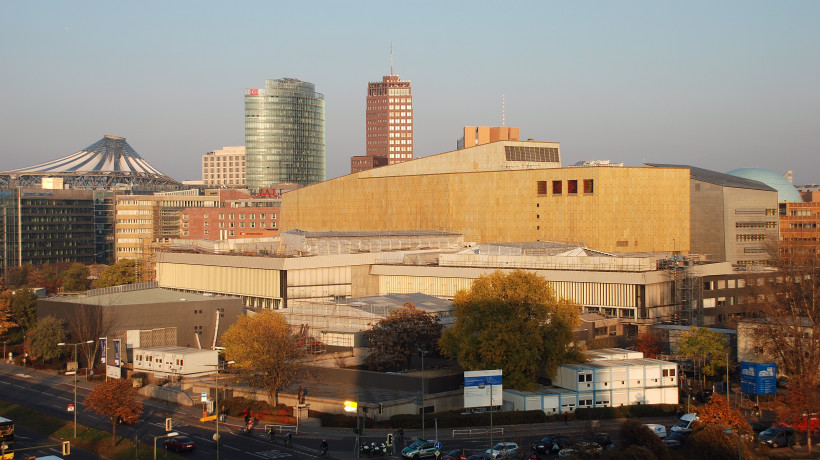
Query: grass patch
{"points": [[88, 438]]}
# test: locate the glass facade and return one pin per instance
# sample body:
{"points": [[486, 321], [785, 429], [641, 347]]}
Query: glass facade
{"points": [[284, 134]]}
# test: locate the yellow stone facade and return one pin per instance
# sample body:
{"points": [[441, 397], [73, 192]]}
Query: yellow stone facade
{"points": [[487, 197]]}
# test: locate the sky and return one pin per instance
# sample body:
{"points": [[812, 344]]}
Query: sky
{"points": [[717, 85]]}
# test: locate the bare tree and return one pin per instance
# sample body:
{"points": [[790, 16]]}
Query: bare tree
{"points": [[90, 322]]}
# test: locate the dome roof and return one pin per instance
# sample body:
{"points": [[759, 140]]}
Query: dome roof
{"points": [[785, 189]]}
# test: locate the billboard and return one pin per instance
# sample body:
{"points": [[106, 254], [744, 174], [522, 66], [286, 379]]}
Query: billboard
{"points": [[758, 378], [479, 384]]}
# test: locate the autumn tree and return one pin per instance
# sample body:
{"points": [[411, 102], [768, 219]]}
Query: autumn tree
{"points": [[75, 278], [395, 339], [707, 346], [650, 343], [713, 442], [632, 435], [116, 399], [45, 336], [124, 271], [803, 398], [6, 321], [718, 411], [512, 321], [265, 350]]}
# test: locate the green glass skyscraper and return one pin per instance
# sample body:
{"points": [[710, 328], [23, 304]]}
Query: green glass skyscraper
{"points": [[284, 134]]}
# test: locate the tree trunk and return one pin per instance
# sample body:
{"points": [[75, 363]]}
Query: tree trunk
{"points": [[113, 430]]}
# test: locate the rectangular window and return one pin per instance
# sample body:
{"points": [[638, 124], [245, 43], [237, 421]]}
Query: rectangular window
{"points": [[588, 186], [572, 187], [556, 187], [542, 187]]}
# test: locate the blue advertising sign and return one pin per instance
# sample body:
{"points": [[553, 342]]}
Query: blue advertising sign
{"points": [[758, 378], [117, 352], [103, 349]]}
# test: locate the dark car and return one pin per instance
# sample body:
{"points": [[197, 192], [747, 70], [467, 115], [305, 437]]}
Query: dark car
{"points": [[454, 454], [778, 436], [180, 444], [675, 439], [551, 443], [479, 457]]}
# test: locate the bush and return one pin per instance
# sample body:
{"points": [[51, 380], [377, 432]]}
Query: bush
{"points": [[639, 410], [262, 411]]}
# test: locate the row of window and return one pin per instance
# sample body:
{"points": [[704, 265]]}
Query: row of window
{"points": [[571, 187], [749, 237], [772, 224]]}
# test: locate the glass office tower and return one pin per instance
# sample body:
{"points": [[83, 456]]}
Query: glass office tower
{"points": [[284, 134]]}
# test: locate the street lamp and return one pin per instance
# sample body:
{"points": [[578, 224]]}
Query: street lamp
{"points": [[76, 366], [422, 352], [481, 385], [166, 435], [216, 404]]}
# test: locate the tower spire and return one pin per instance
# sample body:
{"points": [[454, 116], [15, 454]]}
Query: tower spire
{"points": [[391, 59], [503, 110]]}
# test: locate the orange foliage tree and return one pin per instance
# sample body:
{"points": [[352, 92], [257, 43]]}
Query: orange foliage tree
{"points": [[718, 412], [397, 337], [116, 399], [794, 409], [650, 344]]}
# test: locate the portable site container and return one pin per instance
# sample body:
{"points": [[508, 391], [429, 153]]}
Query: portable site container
{"points": [[549, 400], [163, 361], [617, 374]]}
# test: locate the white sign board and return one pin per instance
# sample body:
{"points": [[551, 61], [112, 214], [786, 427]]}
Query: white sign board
{"points": [[479, 384], [204, 396], [113, 372]]}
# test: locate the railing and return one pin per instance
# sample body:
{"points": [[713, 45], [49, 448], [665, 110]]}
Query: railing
{"points": [[282, 428], [477, 432]]}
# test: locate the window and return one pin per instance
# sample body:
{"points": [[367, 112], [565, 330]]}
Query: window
{"points": [[556, 187], [572, 187], [588, 186], [542, 187]]}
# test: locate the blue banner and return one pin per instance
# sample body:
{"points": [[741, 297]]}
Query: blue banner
{"points": [[117, 352], [103, 349], [758, 378]]}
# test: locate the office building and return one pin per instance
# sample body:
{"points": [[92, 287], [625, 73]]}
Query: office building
{"points": [[284, 134], [480, 135], [238, 216], [224, 167], [389, 119]]}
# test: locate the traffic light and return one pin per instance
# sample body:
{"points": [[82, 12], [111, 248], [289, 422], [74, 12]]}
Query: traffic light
{"points": [[66, 447], [381, 407], [169, 424], [389, 439]]}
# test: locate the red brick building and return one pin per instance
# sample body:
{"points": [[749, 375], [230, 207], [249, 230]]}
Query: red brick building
{"points": [[239, 215], [800, 223]]}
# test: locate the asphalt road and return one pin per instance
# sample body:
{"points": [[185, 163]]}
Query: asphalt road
{"points": [[47, 393]]}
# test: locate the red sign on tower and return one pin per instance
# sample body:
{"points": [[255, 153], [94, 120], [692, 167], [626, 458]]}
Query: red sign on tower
{"points": [[253, 92]]}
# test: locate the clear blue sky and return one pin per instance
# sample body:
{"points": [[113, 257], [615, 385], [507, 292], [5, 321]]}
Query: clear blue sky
{"points": [[718, 85]]}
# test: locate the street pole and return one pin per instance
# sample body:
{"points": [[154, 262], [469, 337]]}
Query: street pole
{"points": [[76, 367], [491, 418], [422, 353], [166, 435], [358, 429], [727, 378], [217, 411]]}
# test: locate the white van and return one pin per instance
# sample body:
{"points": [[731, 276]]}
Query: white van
{"points": [[658, 429], [685, 422]]}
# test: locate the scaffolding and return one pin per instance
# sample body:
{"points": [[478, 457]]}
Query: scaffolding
{"points": [[687, 292]]}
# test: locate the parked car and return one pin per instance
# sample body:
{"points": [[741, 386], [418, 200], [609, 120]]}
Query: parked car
{"points": [[455, 454], [419, 449], [778, 436], [180, 444], [657, 428], [581, 448], [805, 422], [551, 443], [675, 439], [481, 456], [503, 449]]}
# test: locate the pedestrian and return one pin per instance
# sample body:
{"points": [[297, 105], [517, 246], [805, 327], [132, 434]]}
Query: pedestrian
{"points": [[223, 414], [566, 418]]}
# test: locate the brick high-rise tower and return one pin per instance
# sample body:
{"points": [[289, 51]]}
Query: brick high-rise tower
{"points": [[390, 119]]}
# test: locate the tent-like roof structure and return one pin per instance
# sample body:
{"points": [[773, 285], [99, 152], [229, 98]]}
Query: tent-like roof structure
{"points": [[106, 164]]}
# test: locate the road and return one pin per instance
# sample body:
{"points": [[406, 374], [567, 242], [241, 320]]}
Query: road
{"points": [[48, 393]]}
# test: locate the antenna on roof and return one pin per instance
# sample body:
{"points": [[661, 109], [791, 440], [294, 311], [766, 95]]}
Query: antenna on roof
{"points": [[503, 114], [391, 59]]}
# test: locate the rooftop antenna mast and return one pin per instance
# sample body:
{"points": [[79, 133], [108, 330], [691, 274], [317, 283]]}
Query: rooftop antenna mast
{"points": [[503, 110], [391, 59]]}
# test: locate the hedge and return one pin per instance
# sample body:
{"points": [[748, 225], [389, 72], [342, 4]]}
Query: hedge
{"points": [[640, 410]]}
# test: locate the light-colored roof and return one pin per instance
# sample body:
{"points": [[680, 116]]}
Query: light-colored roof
{"points": [[137, 297]]}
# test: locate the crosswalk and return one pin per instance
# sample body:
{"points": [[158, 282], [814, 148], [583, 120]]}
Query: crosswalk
{"points": [[273, 453]]}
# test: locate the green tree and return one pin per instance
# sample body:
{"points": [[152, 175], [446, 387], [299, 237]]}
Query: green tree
{"points": [[23, 306], [45, 336], [75, 278], [265, 350], [512, 322], [125, 271], [116, 399], [395, 339], [707, 346]]}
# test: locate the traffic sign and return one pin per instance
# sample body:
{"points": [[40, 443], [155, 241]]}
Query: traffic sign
{"points": [[438, 452], [204, 396], [437, 445]]}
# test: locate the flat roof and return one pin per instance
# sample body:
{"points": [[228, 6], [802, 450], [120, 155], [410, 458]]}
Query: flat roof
{"points": [[609, 363], [137, 297], [177, 350]]}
